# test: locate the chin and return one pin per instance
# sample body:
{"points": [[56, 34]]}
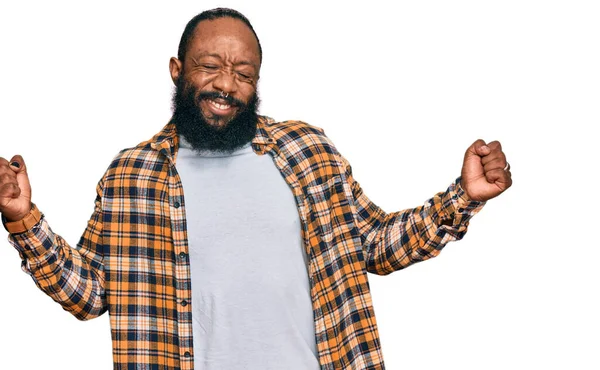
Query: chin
{"points": [[218, 123]]}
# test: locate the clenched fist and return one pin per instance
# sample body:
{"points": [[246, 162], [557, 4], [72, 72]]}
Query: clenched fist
{"points": [[15, 190], [485, 173]]}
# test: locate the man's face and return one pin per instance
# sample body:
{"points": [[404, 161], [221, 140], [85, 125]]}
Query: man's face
{"points": [[203, 135], [222, 57]]}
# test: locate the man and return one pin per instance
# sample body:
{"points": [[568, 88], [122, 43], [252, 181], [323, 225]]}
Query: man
{"points": [[230, 241]]}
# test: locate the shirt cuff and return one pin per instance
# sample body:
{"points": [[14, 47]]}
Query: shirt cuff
{"points": [[457, 207], [25, 224]]}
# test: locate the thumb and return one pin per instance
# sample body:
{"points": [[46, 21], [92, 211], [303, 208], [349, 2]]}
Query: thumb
{"points": [[479, 148], [472, 167], [17, 164]]}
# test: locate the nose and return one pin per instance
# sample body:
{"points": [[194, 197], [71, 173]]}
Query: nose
{"points": [[225, 81]]}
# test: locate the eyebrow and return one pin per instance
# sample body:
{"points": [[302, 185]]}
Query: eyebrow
{"points": [[206, 54]]}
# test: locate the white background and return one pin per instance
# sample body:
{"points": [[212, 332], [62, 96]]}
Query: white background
{"points": [[402, 90]]}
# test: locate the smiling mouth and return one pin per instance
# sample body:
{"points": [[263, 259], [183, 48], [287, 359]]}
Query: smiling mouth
{"points": [[221, 106], [220, 110]]}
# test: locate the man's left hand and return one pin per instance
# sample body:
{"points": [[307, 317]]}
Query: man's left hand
{"points": [[485, 173]]}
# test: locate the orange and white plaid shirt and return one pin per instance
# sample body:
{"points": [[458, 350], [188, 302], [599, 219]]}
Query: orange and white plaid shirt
{"points": [[132, 259]]}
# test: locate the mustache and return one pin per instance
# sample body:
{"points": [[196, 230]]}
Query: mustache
{"points": [[229, 100]]}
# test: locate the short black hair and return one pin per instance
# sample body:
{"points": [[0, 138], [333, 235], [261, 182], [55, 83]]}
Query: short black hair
{"points": [[210, 15]]}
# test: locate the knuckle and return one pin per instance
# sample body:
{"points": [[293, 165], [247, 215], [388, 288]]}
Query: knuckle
{"points": [[495, 145], [8, 189], [6, 178]]}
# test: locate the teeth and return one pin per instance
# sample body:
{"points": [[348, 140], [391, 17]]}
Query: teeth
{"points": [[220, 106]]}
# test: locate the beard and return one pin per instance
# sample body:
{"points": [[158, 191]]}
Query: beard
{"points": [[193, 125]]}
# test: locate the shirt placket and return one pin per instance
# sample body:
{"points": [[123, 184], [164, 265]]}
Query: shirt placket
{"points": [[182, 267], [303, 210]]}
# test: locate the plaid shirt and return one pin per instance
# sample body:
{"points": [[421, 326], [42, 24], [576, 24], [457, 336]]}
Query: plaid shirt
{"points": [[132, 260]]}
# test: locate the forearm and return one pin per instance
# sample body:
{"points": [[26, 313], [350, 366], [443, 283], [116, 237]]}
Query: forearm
{"points": [[70, 276], [413, 235]]}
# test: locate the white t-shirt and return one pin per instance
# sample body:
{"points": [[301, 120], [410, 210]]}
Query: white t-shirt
{"points": [[251, 302]]}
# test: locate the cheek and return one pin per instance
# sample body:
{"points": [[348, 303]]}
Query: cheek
{"points": [[246, 93], [200, 82]]}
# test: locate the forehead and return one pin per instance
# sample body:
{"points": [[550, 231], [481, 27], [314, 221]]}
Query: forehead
{"points": [[228, 37]]}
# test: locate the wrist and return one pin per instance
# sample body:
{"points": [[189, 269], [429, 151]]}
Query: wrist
{"points": [[15, 218], [461, 191], [15, 225]]}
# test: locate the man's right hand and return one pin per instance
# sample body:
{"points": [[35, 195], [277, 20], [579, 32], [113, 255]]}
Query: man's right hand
{"points": [[15, 190]]}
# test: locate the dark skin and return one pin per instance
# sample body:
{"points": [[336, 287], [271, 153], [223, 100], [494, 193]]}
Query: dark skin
{"points": [[15, 190], [223, 56], [485, 173]]}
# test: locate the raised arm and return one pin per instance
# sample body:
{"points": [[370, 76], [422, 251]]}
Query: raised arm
{"points": [[73, 277], [393, 241]]}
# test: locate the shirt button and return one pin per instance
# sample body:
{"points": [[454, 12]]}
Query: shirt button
{"points": [[176, 204], [187, 355], [461, 210], [182, 255], [455, 197], [184, 303]]}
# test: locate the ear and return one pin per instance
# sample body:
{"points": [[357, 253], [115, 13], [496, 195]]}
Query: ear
{"points": [[175, 69]]}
